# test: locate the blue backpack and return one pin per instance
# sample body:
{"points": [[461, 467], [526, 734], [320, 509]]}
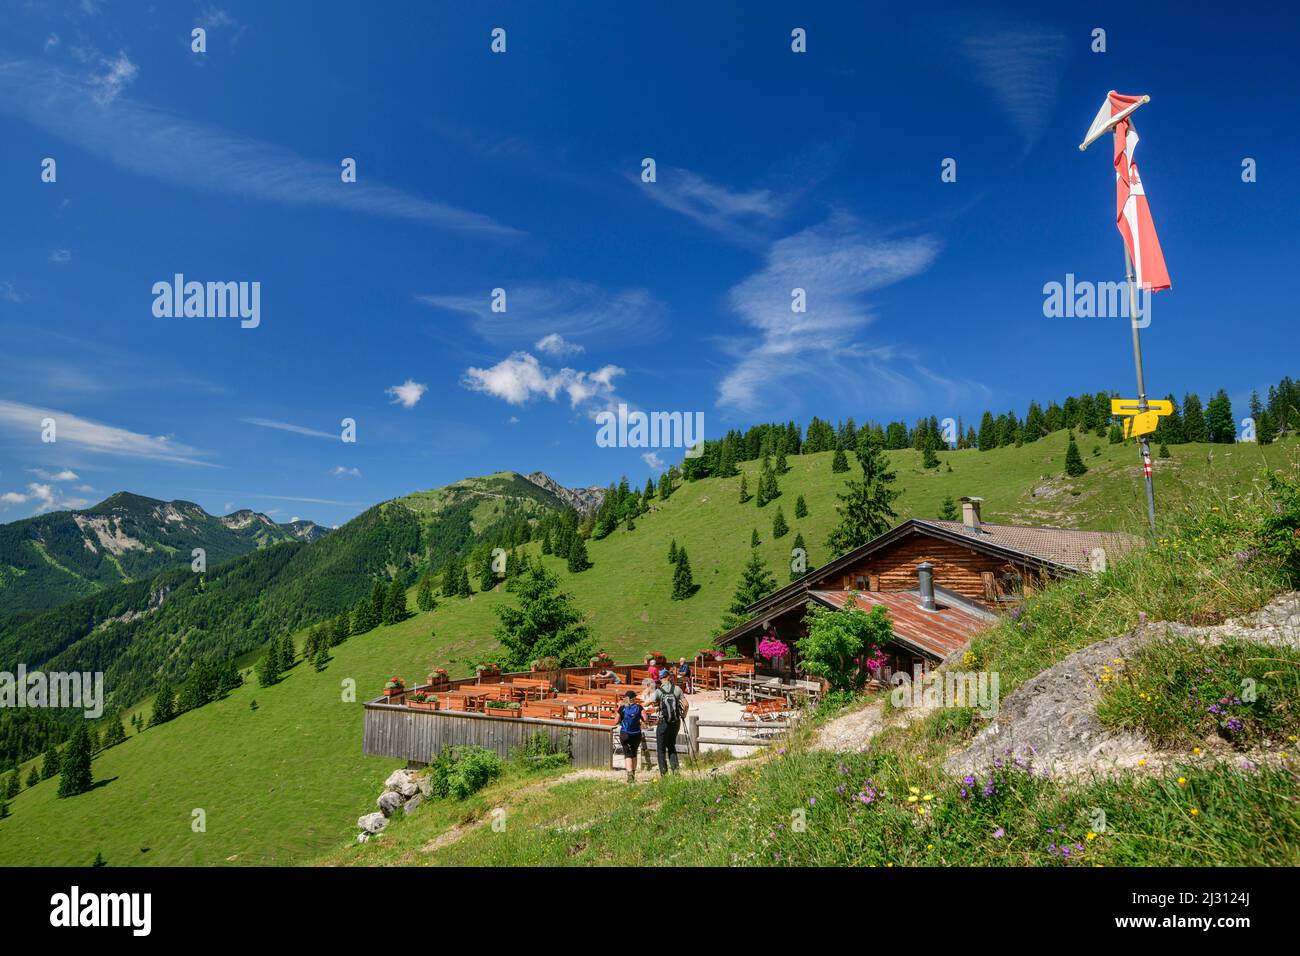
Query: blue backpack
{"points": [[630, 719]]}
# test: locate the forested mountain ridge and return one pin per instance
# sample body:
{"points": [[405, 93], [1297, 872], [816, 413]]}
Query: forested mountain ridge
{"points": [[49, 559]]}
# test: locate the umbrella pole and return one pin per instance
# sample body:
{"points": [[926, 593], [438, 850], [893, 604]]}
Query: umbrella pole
{"points": [[1143, 444]]}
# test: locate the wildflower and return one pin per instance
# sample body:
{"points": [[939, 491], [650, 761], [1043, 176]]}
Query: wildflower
{"points": [[1091, 836], [812, 801], [999, 833], [781, 752], [1196, 750], [840, 788], [913, 789], [1142, 763], [1182, 781], [928, 796], [1194, 812], [1292, 738], [912, 798]]}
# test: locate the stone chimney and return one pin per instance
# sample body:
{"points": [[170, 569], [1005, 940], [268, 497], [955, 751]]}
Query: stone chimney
{"points": [[925, 579], [970, 514]]}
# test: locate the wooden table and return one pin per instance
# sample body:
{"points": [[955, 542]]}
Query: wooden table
{"points": [[474, 698]]}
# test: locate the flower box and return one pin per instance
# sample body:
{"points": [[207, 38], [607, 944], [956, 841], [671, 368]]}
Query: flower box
{"points": [[502, 708], [395, 687]]}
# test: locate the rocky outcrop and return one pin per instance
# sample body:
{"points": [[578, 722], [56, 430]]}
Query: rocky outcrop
{"points": [[1052, 718], [403, 791], [580, 499]]}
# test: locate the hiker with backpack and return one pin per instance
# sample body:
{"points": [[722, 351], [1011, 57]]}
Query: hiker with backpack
{"points": [[671, 705], [630, 734]]}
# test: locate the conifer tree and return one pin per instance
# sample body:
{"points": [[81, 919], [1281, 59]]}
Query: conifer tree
{"points": [[756, 582], [648, 493], [781, 465], [754, 541], [672, 551], [866, 509], [1194, 427], [744, 488], [395, 609], [988, 437], [13, 786], [949, 510], [74, 772], [1164, 451], [840, 463], [342, 628], [1265, 431], [779, 528], [114, 733], [424, 598], [378, 594], [928, 458], [683, 582], [546, 541], [1074, 466], [288, 653], [578, 560], [50, 763], [33, 777], [801, 550], [1218, 419], [320, 660], [800, 507], [268, 668], [164, 705]]}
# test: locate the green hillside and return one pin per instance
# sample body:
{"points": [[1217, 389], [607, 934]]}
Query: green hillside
{"points": [[53, 558], [284, 783]]}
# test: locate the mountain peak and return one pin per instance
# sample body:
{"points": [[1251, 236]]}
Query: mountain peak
{"points": [[580, 499]]}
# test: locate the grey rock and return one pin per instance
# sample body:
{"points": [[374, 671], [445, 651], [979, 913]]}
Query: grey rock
{"points": [[389, 802], [402, 781], [413, 804], [372, 822], [363, 837]]}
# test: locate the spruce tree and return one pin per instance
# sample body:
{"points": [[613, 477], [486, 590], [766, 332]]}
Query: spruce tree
{"points": [[424, 598], [779, 528], [268, 668], [33, 777], [578, 560], [800, 507], [866, 509], [13, 786], [1074, 466], [1194, 419], [74, 773], [1164, 451], [487, 578], [781, 465], [50, 764], [756, 582], [683, 582], [546, 541], [320, 660], [164, 705], [928, 458], [395, 609], [1265, 431], [378, 595], [840, 463], [672, 551], [802, 549], [754, 541], [988, 437], [948, 512], [744, 488], [114, 733], [1218, 419], [342, 628], [288, 653], [545, 623]]}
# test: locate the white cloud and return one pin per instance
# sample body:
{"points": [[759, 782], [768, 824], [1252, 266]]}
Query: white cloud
{"points": [[1022, 65], [521, 377], [52, 41], [835, 266], [287, 427], [565, 308], [653, 460], [9, 294], [45, 497], [158, 143], [730, 212], [117, 74], [556, 344], [25, 420], [67, 474], [61, 256], [408, 394], [341, 472]]}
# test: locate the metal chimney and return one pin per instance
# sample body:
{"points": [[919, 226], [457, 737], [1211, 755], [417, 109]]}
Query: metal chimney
{"points": [[925, 575]]}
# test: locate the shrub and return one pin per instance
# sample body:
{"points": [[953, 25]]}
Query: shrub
{"points": [[538, 752], [460, 772]]}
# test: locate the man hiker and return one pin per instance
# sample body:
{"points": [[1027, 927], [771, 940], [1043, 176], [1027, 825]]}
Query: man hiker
{"points": [[671, 704], [629, 732]]}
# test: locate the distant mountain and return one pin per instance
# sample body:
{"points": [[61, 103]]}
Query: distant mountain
{"points": [[580, 499], [53, 558]]}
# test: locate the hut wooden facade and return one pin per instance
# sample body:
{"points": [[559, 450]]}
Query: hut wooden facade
{"points": [[975, 570]]}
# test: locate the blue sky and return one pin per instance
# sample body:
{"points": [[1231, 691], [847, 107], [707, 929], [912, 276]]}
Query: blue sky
{"points": [[522, 170]]}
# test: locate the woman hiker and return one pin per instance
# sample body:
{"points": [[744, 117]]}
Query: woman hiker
{"points": [[629, 732]]}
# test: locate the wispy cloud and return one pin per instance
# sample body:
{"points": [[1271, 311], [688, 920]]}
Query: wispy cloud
{"points": [[731, 212], [1022, 66], [9, 293], [66, 474], [408, 394], [341, 472], [521, 378], [253, 494], [566, 309], [653, 460], [288, 427], [17, 418], [557, 345], [836, 266], [115, 74], [61, 256], [158, 143]]}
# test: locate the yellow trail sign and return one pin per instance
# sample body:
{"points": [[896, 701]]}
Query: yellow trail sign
{"points": [[1143, 423], [1131, 406]]}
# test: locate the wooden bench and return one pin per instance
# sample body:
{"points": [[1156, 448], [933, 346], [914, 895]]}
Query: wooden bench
{"points": [[769, 709]]}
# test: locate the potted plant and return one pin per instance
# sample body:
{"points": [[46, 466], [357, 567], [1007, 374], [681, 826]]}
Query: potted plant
{"points": [[659, 658], [503, 708], [546, 664], [422, 701], [437, 677], [395, 687], [601, 659]]}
